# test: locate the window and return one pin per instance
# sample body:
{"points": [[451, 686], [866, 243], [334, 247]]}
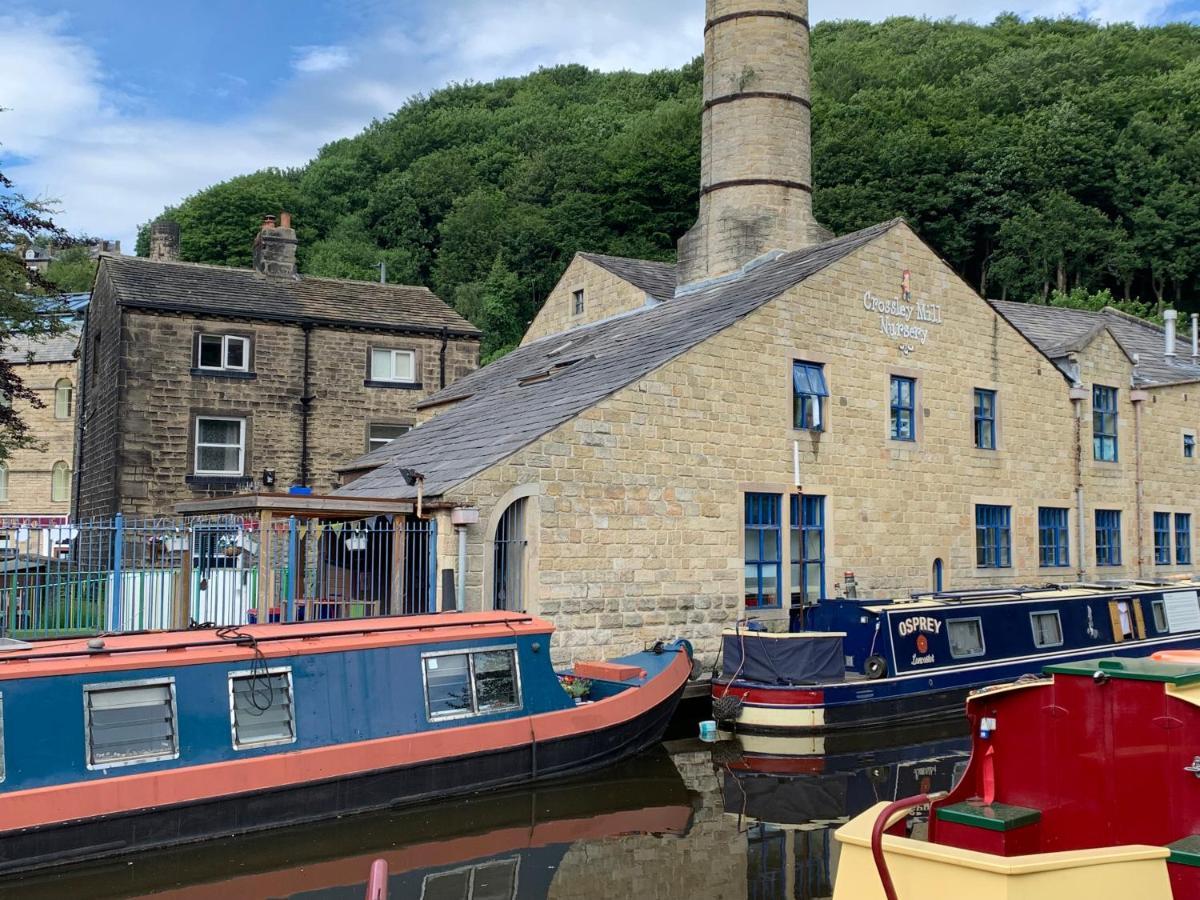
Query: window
{"points": [[223, 353], [1104, 423], [1108, 537], [808, 396], [393, 365], [1053, 538], [60, 482], [993, 540], [130, 722], [382, 435], [477, 683], [808, 548], [1158, 608], [64, 393], [1047, 629], [260, 708], [3, 482], [1189, 446], [220, 446], [1162, 539], [493, 880], [985, 419], [966, 637], [577, 298], [508, 558], [1183, 539], [762, 542], [904, 420]]}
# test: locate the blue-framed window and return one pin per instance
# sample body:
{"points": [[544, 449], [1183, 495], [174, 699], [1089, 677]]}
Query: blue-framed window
{"points": [[808, 548], [1162, 539], [809, 391], [1108, 537], [1189, 446], [1053, 538], [993, 537], [1183, 539], [763, 543], [904, 405], [985, 419], [1104, 423]]}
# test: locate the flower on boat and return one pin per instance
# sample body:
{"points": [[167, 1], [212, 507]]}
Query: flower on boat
{"points": [[575, 686]]}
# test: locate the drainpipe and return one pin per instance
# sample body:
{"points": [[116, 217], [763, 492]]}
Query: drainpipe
{"points": [[1078, 395], [442, 363], [461, 517], [306, 400], [85, 341], [1139, 398]]}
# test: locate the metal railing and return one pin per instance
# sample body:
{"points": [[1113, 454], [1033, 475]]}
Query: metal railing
{"points": [[123, 574]]}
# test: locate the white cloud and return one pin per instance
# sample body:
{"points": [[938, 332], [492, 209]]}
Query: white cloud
{"points": [[75, 137], [320, 59]]}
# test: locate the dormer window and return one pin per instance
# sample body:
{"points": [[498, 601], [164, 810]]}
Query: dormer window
{"points": [[223, 353]]}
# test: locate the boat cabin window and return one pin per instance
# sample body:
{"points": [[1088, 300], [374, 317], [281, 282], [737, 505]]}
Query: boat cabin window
{"points": [[477, 683], [130, 722], [966, 637], [1127, 621], [1047, 629], [1159, 609], [494, 880], [260, 708]]}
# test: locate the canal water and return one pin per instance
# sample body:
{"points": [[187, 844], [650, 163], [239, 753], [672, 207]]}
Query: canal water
{"points": [[742, 818]]}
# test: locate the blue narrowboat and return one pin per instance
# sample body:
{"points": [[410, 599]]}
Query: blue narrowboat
{"points": [[128, 742], [876, 663]]}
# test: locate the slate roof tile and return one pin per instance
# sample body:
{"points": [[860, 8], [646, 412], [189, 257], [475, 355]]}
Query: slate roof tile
{"points": [[655, 278], [59, 348]]}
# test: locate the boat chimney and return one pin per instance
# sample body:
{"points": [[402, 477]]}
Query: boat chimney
{"points": [[1169, 316]]}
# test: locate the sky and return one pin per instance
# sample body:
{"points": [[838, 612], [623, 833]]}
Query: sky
{"points": [[117, 108]]}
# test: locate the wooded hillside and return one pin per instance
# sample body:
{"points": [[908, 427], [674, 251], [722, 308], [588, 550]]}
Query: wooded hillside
{"points": [[1034, 156]]}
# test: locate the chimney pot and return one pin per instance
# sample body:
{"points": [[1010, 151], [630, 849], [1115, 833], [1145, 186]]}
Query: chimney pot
{"points": [[285, 220], [1169, 317], [268, 222]]}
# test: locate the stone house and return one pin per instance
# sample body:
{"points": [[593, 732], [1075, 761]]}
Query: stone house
{"points": [[200, 381], [35, 483], [795, 412]]}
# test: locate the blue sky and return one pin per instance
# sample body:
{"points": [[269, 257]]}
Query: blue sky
{"points": [[119, 108]]}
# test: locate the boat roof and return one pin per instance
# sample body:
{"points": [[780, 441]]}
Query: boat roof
{"points": [[1079, 591], [157, 649], [1136, 669]]}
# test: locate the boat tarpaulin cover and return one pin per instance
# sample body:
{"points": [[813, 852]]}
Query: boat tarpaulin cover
{"points": [[783, 659]]}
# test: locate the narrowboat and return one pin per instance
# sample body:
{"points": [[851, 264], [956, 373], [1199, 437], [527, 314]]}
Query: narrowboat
{"points": [[1082, 784], [126, 742], [871, 664]]}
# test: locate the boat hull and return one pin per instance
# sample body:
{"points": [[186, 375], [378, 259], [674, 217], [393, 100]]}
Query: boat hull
{"points": [[104, 836]]}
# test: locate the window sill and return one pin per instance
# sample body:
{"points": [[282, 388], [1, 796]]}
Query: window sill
{"points": [[395, 385], [217, 482], [218, 373]]}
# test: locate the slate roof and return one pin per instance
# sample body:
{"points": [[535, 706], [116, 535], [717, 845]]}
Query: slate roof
{"points": [[59, 348], [1058, 332], [511, 403], [246, 293], [655, 278]]}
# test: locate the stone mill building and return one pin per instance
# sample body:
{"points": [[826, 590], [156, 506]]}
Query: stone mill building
{"points": [[201, 381], [673, 448]]}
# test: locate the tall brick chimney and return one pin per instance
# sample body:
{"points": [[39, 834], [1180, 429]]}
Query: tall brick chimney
{"points": [[756, 152], [275, 247], [164, 241]]}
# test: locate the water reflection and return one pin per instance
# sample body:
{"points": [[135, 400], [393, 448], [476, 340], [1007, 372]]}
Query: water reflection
{"points": [[728, 821]]}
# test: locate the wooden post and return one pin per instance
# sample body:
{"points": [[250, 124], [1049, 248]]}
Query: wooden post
{"points": [[182, 607], [266, 584]]}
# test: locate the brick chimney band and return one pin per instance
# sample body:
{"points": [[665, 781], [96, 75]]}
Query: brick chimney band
{"points": [[755, 13], [752, 182], [759, 95]]}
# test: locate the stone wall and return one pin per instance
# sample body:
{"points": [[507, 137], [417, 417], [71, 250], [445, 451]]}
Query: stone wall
{"points": [[710, 864], [162, 394], [30, 470], [604, 295], [636, 506]]}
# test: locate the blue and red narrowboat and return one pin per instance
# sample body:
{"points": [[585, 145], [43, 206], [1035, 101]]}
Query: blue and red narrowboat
{"points": [[886, 663], [127, 742], [1082, 784]]}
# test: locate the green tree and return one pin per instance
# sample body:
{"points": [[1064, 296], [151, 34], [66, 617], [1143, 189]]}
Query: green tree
{"points": [[72, 270]]}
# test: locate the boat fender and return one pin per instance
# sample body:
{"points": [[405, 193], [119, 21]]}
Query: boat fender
{"points": [[875, 667], [727, 708]]}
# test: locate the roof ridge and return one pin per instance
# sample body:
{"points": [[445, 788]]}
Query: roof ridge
{"points": [[1130, 317], [587, 254]]}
